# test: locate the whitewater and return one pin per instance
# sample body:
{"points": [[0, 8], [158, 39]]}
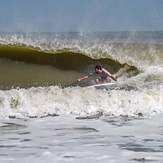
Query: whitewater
{"points": [[44, 112]]}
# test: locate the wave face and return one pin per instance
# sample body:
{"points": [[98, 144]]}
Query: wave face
{"points": [[34, 61]]}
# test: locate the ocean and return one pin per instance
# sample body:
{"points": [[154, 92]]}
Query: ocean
{"points": [[46, 115]]}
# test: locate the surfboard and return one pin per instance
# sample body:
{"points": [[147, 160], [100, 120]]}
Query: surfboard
{"points": [[111, 86], [103, 86]]}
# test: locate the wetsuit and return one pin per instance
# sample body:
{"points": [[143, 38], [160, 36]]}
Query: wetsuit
{"points": [[104, 77]]}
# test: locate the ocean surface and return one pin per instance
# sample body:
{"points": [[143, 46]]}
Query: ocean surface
{"points": [[47, 116]]}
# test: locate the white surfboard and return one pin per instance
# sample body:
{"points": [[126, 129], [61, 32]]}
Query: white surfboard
{"points": [[103, 86], [111, 86]]}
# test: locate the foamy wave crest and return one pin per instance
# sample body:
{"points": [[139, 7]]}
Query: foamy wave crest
{"points": [[140, 55], [152, 76], [40, 102]]}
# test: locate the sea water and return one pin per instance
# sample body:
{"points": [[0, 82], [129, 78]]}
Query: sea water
{"points": [[45, 117]]}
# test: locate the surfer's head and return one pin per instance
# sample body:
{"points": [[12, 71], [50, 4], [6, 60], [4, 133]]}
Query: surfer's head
{"points": [[98, 69]]}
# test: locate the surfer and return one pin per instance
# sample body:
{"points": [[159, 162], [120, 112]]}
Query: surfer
{"points": [[104, 75]]}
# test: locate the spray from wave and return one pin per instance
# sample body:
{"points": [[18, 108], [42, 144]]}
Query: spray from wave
{"points": [[140, 52]]}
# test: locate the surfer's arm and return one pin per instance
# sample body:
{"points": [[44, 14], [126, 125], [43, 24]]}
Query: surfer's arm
{"points": [[85, 77], [109, 74], [113, 78], [82, 78]]}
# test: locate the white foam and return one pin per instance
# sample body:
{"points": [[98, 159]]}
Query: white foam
{"points": [[79, 102]]}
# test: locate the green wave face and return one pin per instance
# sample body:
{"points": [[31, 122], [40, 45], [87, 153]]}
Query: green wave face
{"points": [[43, 59], [26, 67]]}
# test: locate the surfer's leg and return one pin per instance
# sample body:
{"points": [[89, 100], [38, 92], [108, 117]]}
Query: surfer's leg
{"points": [[99, 81], [108, 80]]}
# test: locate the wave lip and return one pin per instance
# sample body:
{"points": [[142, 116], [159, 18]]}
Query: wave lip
{"points": [[117, 46]]}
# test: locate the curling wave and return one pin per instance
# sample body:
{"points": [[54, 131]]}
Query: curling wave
{"points": [[37, 61], [140, 54]]}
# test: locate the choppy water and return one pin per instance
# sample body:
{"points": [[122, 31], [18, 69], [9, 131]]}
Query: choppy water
{"points": [[46, 115], [65, 139]]}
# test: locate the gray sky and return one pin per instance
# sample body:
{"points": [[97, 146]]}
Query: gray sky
{"points": [[81, 15]]}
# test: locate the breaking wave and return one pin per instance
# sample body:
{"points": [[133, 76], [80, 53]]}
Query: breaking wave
{"points": [[34, 62], [53, 101]]}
